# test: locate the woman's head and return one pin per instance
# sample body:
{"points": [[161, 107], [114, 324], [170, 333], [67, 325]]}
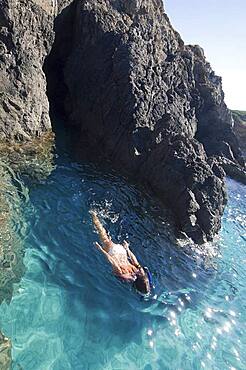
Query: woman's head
{"points": [[142, 282]]}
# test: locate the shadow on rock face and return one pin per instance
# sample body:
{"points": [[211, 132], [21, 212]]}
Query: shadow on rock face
{"points": [[240, 129]]}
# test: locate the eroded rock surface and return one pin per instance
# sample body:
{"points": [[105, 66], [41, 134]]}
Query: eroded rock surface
{"points": [[25, 39], [137, 94], [132, 90], [240, 129]]}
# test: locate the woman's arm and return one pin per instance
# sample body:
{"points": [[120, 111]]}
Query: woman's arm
{"points": [[131, 255], [99, 227]]}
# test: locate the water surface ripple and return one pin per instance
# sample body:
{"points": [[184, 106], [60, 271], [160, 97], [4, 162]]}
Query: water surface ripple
{"points": [[69, 312]]}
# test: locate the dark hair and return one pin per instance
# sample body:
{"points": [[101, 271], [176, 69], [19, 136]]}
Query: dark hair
{"points": [[142, 283]]}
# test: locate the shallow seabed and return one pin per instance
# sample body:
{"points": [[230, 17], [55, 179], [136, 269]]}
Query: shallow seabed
{"points": [[69, 312]]}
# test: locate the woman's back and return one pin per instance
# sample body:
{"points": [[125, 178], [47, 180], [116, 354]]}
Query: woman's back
{"points": [[118, 252]]}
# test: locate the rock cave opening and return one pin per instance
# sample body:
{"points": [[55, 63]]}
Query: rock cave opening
{"points": [[57, 90]]}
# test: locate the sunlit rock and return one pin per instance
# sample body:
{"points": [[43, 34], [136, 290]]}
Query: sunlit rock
{"points": [[25, 39]]}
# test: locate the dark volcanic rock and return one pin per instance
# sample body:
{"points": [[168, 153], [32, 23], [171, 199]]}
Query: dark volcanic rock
{"points": [[232, 169], [239, 129], [137, 95], [132, 90], [215, 123], [25, 39]]}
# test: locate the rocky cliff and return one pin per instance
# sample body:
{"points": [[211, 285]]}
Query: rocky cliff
{"points": [[240, 129], [26, 37], [132, 90]]}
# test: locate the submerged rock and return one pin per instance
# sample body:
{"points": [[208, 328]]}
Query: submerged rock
{"points": [[11, 245], [5, 353], [32, 159]]}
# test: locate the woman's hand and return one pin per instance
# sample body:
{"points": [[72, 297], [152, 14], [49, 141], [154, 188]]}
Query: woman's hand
{"points": [[98, 246]]}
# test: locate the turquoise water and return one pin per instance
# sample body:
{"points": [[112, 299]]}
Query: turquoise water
{"points": [[69, 312]]}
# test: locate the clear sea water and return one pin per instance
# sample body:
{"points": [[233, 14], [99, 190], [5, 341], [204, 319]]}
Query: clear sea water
{"points": [[70, 312]]}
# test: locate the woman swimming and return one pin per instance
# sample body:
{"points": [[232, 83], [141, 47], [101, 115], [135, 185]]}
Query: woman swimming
{"points": [[124, 263]]}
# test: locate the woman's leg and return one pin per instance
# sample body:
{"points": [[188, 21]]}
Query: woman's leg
{"points": [[106, 241]]}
